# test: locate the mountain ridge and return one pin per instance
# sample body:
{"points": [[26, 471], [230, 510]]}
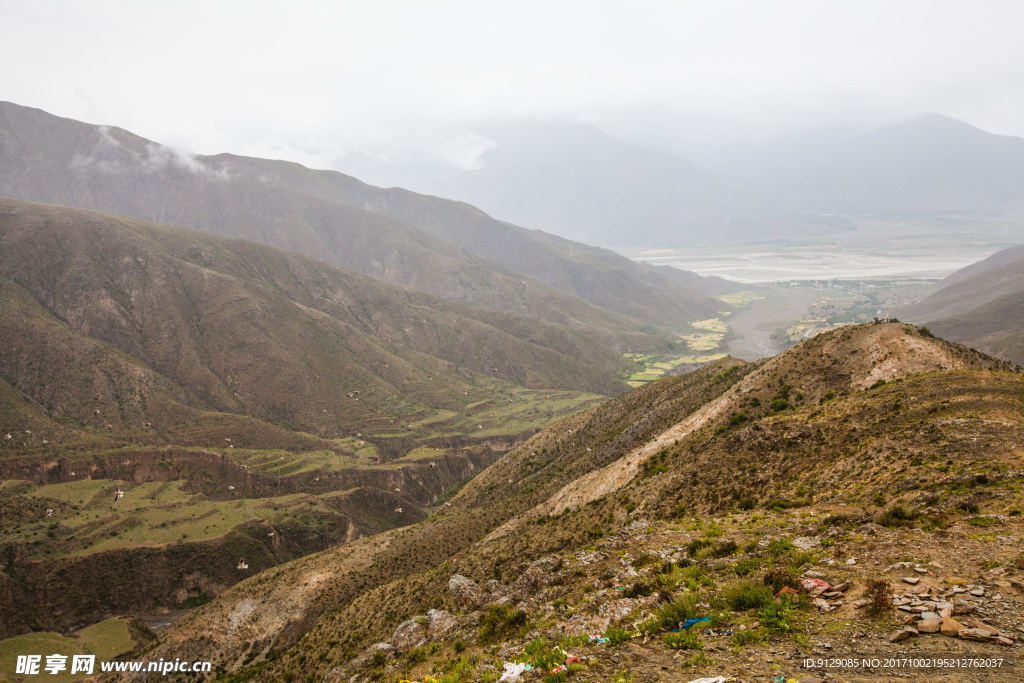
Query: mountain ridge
{"points": [[324, 214]]}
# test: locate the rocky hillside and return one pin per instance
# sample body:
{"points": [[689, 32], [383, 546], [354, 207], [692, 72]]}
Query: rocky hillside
{"points": [[980, 306], [869, 477]]}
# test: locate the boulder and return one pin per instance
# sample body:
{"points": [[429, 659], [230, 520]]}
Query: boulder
{"points": [[930, 625], [467, 593], [963, 606], [409, 634], [441, 623]]}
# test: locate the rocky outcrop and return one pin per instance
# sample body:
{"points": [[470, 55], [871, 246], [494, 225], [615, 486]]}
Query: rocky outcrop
{"points": [[408, 635], [466, 591]]}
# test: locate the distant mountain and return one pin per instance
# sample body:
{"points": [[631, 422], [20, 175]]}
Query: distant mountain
{"points": [[1000, 274], [997, 328], [446, 248], [981, 306], [576, 181], [927, 165], [160, 324]]}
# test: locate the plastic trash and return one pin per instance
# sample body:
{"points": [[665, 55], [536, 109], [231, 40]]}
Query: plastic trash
{"points": [[512, 672], [690, 622], [713, 679], [814, 584], [786, 590]]}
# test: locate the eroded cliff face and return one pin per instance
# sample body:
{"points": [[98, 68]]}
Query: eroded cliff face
{"points": [[80, 588]]}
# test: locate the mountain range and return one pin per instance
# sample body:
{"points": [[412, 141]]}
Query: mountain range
{"points": [[576, 181], [179, 318], [442, 247], [929, 165]]}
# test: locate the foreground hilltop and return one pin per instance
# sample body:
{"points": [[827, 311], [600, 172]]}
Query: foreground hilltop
{"points": [[695, 496]]}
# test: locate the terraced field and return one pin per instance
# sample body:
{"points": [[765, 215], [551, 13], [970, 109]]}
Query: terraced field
{"points": [[81, 517], [106, 639]]}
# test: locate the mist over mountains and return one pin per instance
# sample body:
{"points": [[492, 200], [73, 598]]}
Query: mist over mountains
{"points": [[926, 165], [574, 180]]}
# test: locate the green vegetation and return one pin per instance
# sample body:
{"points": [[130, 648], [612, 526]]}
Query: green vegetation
{"points": [[106, 639], [501, 622], [683, 640]]}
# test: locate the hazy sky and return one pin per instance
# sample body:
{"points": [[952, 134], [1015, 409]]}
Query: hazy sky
{"points": [[312, 81]]}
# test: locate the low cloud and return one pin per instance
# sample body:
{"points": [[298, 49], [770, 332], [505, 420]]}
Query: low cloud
{"points": [[111, 155]]}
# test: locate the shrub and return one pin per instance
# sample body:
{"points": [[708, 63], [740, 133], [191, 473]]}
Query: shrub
{"points": [[747, 503], [699, 659], [879, 592], [778, 547], [775, 616], [747, 595], [724, 549], [672, 614], [683, 640], [501, 622], [694, 577], [536, 646], [746, 566], [779, 404], [897, 515], [459, 646], [696, 545], [616, 636], [778, 578], [638, 590], [748, 637]]}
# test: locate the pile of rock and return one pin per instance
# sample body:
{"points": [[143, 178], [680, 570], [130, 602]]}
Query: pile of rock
{"points": [[931, 610], [826, 597]]}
